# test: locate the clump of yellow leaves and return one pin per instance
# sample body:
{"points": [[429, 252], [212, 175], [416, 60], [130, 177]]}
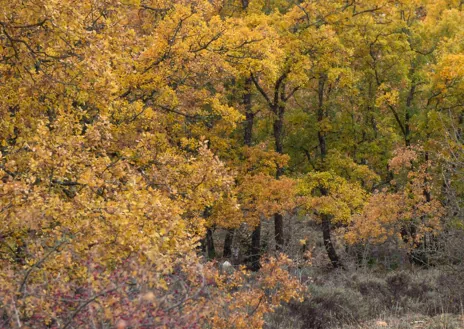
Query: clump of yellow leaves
{"points": [[326, 193]]}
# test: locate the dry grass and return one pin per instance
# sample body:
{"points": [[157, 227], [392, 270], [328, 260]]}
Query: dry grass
{"points": [[413, 321], [423, 299]]}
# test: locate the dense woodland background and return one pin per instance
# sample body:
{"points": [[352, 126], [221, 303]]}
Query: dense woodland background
{"points": [[314, 145]]}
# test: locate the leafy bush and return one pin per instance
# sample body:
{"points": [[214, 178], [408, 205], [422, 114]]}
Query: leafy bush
{"points": [[329, 306]]}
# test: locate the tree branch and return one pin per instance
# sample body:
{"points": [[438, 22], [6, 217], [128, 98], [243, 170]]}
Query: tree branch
{"points": [[395, 114], [261, 90]]}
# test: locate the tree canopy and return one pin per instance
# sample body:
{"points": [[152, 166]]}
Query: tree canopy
{"points": [[131, 130]]}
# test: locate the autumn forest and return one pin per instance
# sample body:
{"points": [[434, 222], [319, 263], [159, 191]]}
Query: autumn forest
{"points": [[231, 164]]}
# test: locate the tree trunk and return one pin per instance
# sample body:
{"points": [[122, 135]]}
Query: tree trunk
{"points": [[278, 128], [326, 234], [321, 117], [328, 242], [417, 255], [278, 135], [407, 117], [227, 253], [249, 115], [210, 250], [279, 231], [277, 106], [256, 248]]}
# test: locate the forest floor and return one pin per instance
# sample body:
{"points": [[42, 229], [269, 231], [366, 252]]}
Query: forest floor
{"points": [[413, 321], [385, 291], [401, 299]]}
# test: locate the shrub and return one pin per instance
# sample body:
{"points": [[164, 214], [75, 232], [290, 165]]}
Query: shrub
{"points": [[330, 306], [398, 283]]}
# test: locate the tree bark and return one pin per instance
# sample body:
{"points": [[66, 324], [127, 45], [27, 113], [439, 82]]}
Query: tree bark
{"points": [[255, 250], [210, 250], [417, 255], [329, 247], [277, 106], [227, 253], [278, 135], [320, 118], [249, 115], [407, 116], [326, 231], [278, 132], [279, 231]]}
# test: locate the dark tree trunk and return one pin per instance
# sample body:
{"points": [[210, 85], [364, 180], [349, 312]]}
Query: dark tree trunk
{"points": [[326, 231], [227, 253], [255, 250], [407, 117], [417, 255], [329, 247], [320, 118], [277, 106], [249, 119], [279, 231], [428, 196], [278, 128], [322, 145], [210, 250], [278, 135], [249, 115]]}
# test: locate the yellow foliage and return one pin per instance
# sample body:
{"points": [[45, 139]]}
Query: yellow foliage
{"points": [[329, 194]]}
